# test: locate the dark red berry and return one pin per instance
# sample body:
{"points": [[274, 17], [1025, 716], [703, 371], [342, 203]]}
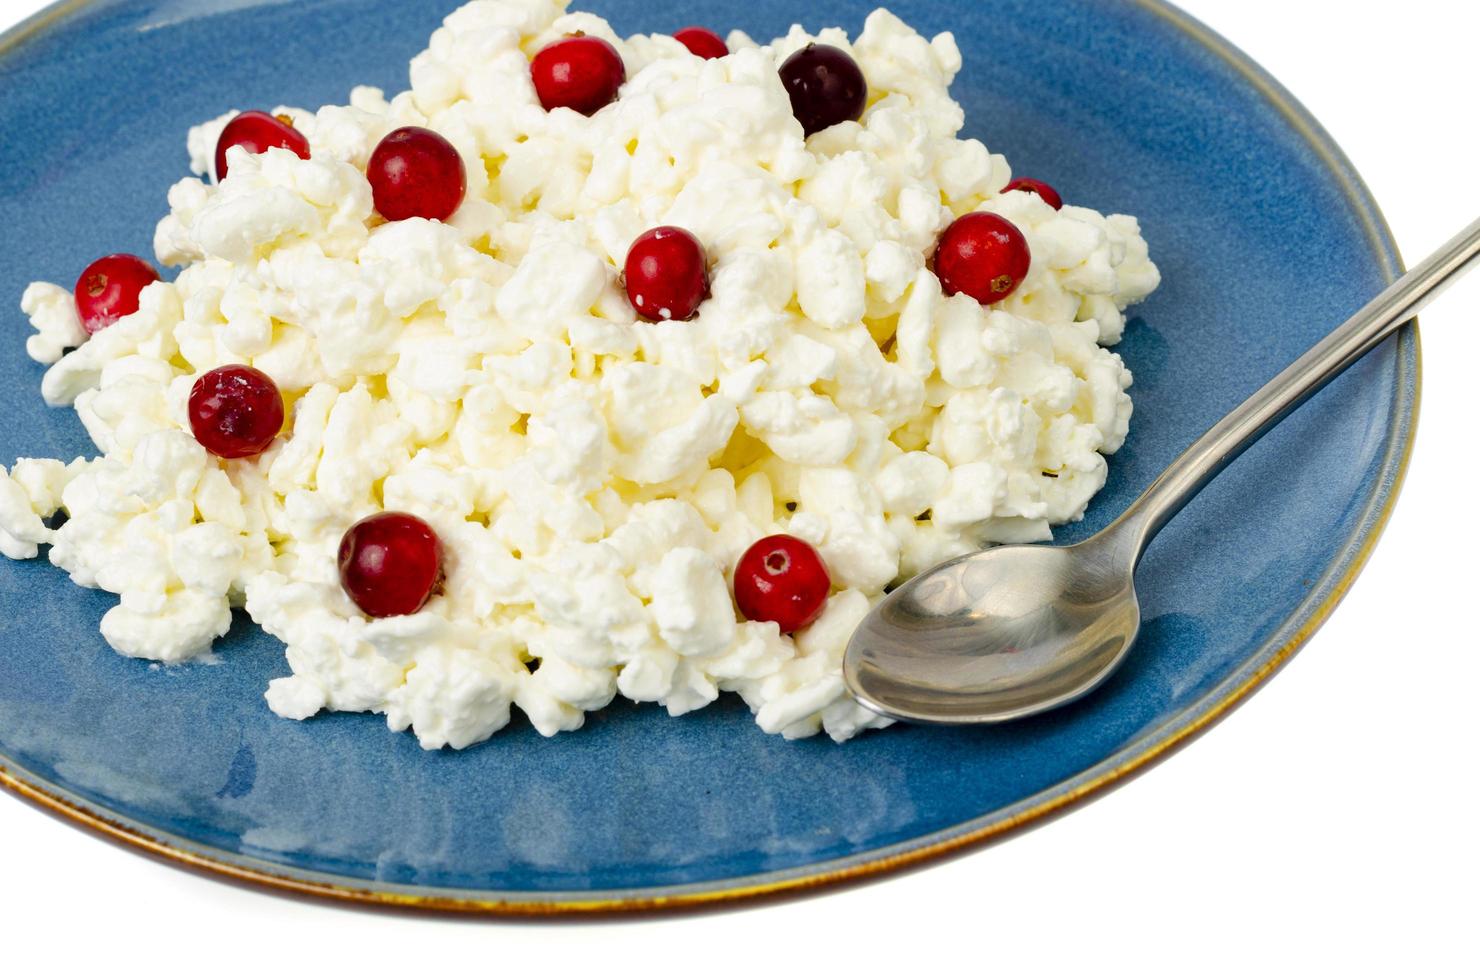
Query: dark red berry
{"points": [[702, 42], [109, 289], [415, 173], [235, 411], [1036, 187], [982, 255], [581, 73], [666, 273], [782, 580], [258, 132], [390, 564], [825, 85]]}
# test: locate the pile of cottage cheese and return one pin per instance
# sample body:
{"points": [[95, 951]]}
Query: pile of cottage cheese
{"points": [[594, 478]]}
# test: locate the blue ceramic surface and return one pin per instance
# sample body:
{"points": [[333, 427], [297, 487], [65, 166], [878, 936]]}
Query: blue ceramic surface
{"points": [[1265, 239]]}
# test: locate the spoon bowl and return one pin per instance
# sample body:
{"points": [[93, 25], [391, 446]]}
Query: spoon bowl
{"points": [[996, 635]]}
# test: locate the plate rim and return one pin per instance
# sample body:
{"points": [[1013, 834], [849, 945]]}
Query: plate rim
{"points": [[1178, 731]]}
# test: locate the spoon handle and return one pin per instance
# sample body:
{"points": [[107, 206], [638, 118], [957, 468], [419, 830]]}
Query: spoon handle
{"points": [[1239, 429]]}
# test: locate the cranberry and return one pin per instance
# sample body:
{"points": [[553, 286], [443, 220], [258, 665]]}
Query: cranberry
{"points": [[826, 87], [702, 42], [581, 73], [666, 274], [258, 132], [390, 564], [235, 411], [982, 255], [415, 173], [781, 579], [109, 289], [1036, 187]]}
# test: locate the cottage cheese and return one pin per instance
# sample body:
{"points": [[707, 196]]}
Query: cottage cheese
{"points": [[594, 478]]}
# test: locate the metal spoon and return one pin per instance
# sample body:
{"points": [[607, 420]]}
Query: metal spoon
{"points": [[1016, 630]]}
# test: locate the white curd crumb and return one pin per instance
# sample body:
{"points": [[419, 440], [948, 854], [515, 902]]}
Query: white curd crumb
{"points": [[53, 312]]}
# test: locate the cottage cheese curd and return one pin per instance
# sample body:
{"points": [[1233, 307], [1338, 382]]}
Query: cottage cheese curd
{"points": [[594, 478]]}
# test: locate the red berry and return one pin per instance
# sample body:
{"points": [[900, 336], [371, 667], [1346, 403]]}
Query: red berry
{"points": [[415, 173], [581, 73], [982, 255], [258, 132], [825, 85], [666, 273], [109, 289], [702, 42], [782, 580], [235, 411], [390, 564], [1036, 187]]}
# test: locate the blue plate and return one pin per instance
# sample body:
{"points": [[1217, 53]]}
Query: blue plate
{"points": [[1266, 239]]}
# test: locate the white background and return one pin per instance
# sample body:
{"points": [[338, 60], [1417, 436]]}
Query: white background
{"points": [[1326, 827]]}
